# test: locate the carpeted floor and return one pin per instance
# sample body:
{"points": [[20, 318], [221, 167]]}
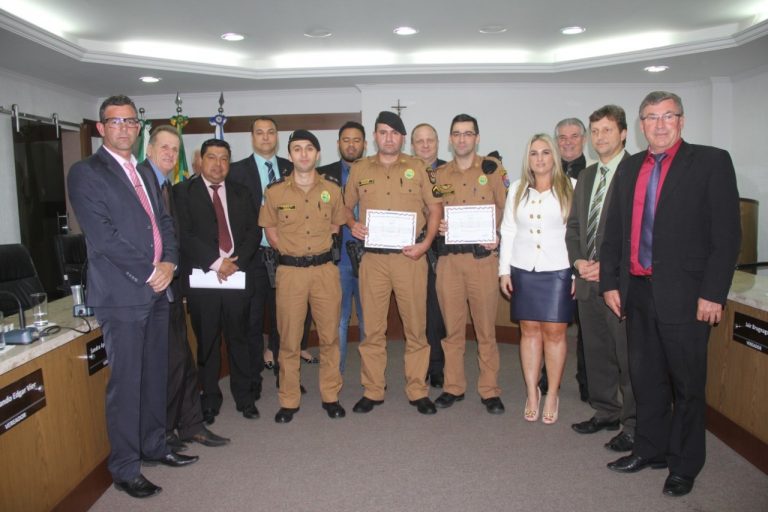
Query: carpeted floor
{"points": [[394, 459]]}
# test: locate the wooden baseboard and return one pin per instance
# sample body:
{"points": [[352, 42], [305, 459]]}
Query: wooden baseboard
{"points": [[88, 491], [738, 439]]}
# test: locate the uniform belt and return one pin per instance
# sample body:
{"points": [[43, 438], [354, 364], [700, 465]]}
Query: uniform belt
{"points": [[306, 261], [456, 249], [374, 250]]}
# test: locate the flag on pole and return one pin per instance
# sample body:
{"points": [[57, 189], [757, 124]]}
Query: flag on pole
{"points": [[143, 142], [181, 171]]}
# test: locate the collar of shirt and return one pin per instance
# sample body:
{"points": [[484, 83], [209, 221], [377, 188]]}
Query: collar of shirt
{"points": [[671, 152], [262, 166], [612, 165], [120, 159], [161, 178], [208, 184]]}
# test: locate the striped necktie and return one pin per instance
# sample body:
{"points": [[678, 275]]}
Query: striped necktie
{"points": [[270, 172], [144, 200], [593, 219]]}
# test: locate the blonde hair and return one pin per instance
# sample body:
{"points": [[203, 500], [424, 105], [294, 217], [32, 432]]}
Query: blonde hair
{"points": [[561, 183]]}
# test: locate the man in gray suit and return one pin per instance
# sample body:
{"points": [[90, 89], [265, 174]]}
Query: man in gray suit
{"points": [[605, 336]]}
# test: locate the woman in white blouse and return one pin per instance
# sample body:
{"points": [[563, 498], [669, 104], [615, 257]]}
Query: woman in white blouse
{"points": [[534, 271]]}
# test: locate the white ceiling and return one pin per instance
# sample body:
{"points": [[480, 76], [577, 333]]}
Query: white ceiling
{"points": [[100, 47]]}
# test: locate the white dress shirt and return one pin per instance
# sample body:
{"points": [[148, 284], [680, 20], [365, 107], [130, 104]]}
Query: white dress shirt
{"points": [[535, 237]]}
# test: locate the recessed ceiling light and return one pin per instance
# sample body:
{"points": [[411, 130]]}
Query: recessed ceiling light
{"points": [[656, 69], [232, 36], [572, 31], [492, 29], [318, 33], [406, 31], [150, 79]]}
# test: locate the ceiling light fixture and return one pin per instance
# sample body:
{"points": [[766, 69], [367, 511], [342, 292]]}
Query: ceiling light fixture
{"points": [[150, 79], [406, 31], [492, 29], [318, 33], [656, 69], [232, 36], [572, 31]]}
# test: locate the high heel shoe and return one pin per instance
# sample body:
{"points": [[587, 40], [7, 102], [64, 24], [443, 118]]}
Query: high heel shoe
{"points": [[533, 414], [549, 418]]}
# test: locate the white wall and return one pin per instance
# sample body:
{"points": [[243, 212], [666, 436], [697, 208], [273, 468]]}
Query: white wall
{"points": [[42, 99]]}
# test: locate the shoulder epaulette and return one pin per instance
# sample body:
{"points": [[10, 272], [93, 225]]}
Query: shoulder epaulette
{"points": [[332, 179], [489, 165], [281, 180]]}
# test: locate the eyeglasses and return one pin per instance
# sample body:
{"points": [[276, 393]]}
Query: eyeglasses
{"points": [[116, 122], [467, 135], [666, 117]]}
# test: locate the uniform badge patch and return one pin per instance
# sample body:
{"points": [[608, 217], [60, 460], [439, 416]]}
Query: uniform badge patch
{"points": [[325, 196], [483, 180], [409, 174], [363, 183], [286, 207]]}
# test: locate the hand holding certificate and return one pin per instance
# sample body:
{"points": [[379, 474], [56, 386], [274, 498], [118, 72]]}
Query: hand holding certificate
{"points": [[470, 224], [390, 230]]}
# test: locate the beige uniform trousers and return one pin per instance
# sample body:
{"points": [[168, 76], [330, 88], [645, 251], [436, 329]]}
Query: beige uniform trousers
{"points": [[319, 286], [380, 274], [460, 279]]}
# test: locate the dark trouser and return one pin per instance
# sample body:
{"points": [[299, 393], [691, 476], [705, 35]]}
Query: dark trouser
{"points": [[607, 362], [435, 326], [262, 303], [184, 412], [210, 313], [136, 340], [668, 366]]}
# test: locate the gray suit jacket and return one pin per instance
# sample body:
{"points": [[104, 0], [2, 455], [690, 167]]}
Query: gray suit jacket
{"points": [[576, 227]]}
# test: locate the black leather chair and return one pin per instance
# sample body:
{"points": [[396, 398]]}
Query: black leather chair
{"points": [[18, 276], [71, 255]]}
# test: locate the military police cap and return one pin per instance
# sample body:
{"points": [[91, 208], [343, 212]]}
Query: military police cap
{"points": [[392, 120], [304, 135]]}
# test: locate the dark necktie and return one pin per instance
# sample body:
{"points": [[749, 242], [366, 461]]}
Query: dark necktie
{"points": [[593, 219], [225, 241], [270, 172], [144, 200], [166, 189], [645, 252]]}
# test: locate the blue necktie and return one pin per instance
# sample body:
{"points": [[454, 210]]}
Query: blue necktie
{"points": [[270, 172], [645, 252]]}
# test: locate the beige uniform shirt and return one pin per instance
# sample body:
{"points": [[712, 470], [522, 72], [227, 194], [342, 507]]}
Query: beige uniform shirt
{"points": [[303, 219], [403, 186]]}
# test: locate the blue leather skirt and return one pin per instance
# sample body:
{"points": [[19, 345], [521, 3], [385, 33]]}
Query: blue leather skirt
{"points": [[542, 296]]}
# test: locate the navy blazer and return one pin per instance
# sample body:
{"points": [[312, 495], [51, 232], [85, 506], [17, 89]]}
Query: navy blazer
{"points": [[118, 231], [696, 232], [199, 232]]}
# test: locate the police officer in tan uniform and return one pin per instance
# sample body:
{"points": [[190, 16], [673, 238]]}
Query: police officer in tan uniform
{"points": [[468, 272], [300, 214], [391, 180]]}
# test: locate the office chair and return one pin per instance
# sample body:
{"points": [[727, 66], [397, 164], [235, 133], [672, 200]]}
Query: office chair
{"points": [[18, 276], [71, 255]]}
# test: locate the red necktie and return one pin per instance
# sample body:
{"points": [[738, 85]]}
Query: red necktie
{"points": [[225, 241], [144, 200]]}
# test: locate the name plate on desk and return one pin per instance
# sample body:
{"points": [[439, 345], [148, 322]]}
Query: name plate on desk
{"points": [[751, 332], [21, 399], [96, 353]]}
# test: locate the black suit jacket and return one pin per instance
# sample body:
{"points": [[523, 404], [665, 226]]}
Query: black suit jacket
{"points": [[118, 232], [246, 173], [199, 232], [576, 226], [333, 170], [696, 232]]}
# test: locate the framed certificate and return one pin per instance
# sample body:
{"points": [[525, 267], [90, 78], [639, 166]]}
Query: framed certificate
{"points": [[390, 230], [470, 224]]}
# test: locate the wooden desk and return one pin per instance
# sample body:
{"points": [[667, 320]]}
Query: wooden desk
{"points": [[46, 456]]}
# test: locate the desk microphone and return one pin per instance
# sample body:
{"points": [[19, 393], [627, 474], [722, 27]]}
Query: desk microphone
{"points": [[23, 335]]}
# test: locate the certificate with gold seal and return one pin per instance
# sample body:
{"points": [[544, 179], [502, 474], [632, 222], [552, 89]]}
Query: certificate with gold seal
{"points": [[474, 224], [390, 229]]}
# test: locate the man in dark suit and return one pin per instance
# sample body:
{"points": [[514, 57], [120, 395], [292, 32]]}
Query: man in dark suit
{"points": [[352, 147], [132, 255], [256, 172], [605, 337], [184, 420], [671, 242], [217, 233], [425, 144]]}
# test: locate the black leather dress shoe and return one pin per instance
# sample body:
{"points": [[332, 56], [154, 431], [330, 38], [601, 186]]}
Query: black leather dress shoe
{"points": [[208, 438], [633, 463], [493, 405], [173, 460], [139, 487], [209, 416], [593, 425], [623, 442], [334, 410], [436, 380], [365, 404], [173, 442], [446, 400], [250, 412], [285, 414], [676, 486], [424, 405]]}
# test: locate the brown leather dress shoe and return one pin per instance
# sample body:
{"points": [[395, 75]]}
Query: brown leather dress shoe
{"points": [[139, 487]]}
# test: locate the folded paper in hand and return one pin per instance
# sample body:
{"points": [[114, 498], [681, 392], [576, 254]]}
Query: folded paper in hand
{"points": [[200, 279]]}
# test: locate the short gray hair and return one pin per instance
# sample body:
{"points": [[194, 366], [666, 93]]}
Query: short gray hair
{"points": [[656, 97]]}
